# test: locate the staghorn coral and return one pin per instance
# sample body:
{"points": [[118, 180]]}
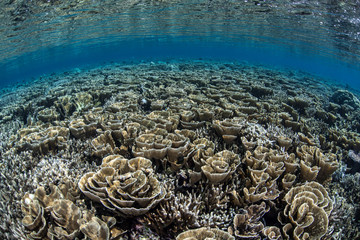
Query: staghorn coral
{"points": [[176, 213]]}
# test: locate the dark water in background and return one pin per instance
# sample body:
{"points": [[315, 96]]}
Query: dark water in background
{"points": [[41, 37]]}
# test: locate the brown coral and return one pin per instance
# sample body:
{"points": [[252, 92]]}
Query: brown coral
{"points": [[219, 167], [272, 233], [315, 165], [128, 189], [79, 129], [205, 233], [158, 146], [200, 150], [104, 145], [164, 120], [151, 146], [49, 216], [176, 152], [247, 224], [94, 228], [264, 167], [42, 141], [34, 220], [176, 213], [48, 115], [66, 216], [229, 129], [308, 209]]}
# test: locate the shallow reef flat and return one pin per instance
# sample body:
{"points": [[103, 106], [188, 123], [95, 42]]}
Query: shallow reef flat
{"points": [[179, 150]]}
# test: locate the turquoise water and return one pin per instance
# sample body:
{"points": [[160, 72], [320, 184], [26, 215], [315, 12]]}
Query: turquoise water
{"points": [[42, 37]]}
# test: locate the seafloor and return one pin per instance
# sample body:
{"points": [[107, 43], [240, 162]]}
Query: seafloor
{"points": [[179, 149]]}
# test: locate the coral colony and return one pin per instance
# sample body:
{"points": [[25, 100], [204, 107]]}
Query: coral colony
{"points": [[179, 150]]}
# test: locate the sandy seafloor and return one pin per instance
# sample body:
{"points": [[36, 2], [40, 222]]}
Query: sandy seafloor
{"points": [[149, 150]]}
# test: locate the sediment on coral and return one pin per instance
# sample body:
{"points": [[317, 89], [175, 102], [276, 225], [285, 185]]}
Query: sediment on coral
{"points": [[196, 150]]}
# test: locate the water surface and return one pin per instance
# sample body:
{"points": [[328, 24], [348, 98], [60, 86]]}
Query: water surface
{"points": [[39, 37]]}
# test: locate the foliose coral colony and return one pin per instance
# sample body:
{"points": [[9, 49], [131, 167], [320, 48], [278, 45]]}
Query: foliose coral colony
{"points": [[185, 150]]}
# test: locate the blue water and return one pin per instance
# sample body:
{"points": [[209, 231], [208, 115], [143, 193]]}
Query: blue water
{"points": [[317, 37]]}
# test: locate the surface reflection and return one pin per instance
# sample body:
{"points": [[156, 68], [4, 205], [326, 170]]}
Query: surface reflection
{"points": [[326, 28]]}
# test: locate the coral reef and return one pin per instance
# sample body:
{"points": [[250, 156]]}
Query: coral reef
{"points": [[179, 150], [204, 233], [127, 187], [308, 209]]}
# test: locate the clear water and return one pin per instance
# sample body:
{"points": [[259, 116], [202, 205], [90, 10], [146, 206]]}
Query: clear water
{"points": [[41, 37]]}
